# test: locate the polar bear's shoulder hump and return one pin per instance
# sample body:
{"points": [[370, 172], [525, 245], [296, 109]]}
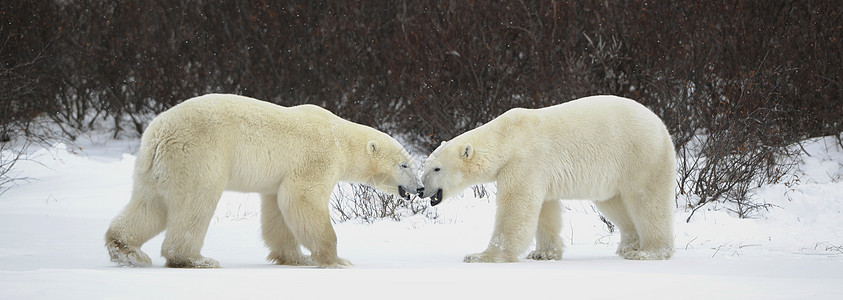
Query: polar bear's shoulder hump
{"points": [[311, 109]]}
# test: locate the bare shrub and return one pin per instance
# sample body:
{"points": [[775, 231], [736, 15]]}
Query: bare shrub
{"points": [[9, 156], [734, 153], [480, 192], [711, 176], [364, 203]]}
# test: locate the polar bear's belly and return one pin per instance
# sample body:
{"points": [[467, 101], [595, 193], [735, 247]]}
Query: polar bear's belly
{"points": [[255, 174], [582, 182], [592, 191]]}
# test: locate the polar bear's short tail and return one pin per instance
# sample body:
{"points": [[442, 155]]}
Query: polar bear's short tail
{"points": [[150, 155]]}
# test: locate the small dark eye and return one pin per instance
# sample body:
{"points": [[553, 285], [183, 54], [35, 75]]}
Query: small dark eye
{"points": [[436, 169]]}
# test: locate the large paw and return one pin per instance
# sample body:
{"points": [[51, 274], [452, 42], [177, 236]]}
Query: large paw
{"points": [[127, 256], [475, 258], [290, 260], [545, 255], [336, 263], [199, 263], [485, 257], [647, 255], [623, 249]]}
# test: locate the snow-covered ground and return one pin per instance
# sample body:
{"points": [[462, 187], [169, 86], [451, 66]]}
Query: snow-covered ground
{"points": [[52, 226]]}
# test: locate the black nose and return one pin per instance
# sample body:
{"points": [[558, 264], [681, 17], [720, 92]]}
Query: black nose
{"points": [[420, 191]]}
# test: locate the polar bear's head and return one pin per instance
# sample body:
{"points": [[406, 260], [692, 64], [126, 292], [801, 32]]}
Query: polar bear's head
{"points": [[451, 168], [392, 169]]}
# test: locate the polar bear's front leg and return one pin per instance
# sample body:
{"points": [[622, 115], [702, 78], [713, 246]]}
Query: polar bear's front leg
{"points": [[307, 215], [516, 221], [548, 242], [284, 249]]}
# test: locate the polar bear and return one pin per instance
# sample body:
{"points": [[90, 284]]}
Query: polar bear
{"points": [[293, 157], [607, 149]]}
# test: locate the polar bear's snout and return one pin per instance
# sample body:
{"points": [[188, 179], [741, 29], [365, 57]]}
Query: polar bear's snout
{"points": [[406, 179], [413, 187], [403, 192]]}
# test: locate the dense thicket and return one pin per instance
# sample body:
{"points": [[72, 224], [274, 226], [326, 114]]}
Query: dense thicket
{"points": [[748, 76]]}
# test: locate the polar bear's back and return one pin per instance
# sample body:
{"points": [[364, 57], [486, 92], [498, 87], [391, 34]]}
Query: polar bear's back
{"points": [[585, 119], [250, 143], [238, 121], [606, 140]]}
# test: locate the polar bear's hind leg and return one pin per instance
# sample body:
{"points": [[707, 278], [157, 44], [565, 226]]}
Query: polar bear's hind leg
{"points": [[125, 255], [654, 225], [188, 225], [617, 213], [142, 219]]}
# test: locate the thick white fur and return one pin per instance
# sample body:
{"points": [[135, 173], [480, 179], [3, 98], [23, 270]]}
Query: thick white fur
{"points": [[608, 149], [292, 156]]}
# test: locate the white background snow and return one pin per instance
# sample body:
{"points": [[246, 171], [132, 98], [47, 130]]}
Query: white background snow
{"points": [[52, 227]]}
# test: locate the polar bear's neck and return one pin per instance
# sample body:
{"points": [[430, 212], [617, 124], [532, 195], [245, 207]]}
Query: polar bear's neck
{"points": [[358, 163], [496, 143]]}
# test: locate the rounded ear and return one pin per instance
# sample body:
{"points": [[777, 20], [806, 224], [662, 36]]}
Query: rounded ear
{"points": [[372, 147], [467, 151]]}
